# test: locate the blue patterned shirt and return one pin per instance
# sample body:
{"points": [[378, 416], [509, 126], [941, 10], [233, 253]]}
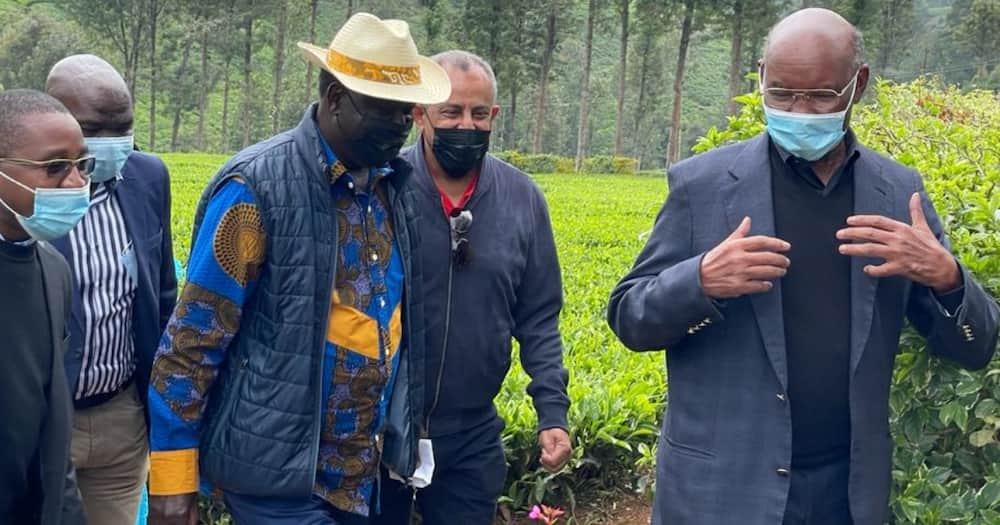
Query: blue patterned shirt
{"points": [[361, 352]]}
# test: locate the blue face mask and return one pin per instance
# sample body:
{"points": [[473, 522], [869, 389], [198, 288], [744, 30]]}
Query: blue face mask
{"points": [[57, 210], [111, 154], [808, 136]]}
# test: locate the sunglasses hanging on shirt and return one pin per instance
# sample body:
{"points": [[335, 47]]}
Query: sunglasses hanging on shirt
{"points": [[459, 222]]}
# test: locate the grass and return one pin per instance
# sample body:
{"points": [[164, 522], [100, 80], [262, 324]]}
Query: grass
{"points": [[600, 223]]}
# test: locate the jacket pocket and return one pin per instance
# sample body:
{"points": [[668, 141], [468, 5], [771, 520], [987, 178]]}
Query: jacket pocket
{"points": [[687, 450]]}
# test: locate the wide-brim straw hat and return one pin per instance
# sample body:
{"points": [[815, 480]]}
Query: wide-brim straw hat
{"points": [[378, 58]]}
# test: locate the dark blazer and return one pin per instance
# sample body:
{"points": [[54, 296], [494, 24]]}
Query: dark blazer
{"points": [[60, 496], [726, 442], [144, 196]]}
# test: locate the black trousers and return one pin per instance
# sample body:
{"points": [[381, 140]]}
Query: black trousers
{"points": [[818, 495], [469, 473]]}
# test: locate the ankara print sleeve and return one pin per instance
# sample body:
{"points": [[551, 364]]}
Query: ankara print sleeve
{"points": [[225, 263]]}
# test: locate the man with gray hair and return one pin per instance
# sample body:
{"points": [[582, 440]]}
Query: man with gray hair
{"points": [[490, 273], [779, 274]]}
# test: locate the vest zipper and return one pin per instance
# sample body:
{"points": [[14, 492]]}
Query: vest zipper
{"points": [[318, 424]]}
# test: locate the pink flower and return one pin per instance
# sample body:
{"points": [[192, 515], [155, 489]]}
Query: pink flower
{"points": [[536, 513]]}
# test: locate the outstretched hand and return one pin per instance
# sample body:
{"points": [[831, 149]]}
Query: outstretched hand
{"points": [[908, 250]]}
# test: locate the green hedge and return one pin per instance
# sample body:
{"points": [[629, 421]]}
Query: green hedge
{"points": [[548, 163], [945, 421]]}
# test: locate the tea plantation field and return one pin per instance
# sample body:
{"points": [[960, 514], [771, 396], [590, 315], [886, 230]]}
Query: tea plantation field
{"points": [[600, 223]]}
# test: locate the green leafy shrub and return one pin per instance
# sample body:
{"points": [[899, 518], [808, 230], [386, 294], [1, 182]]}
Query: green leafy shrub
{"points": [[945, 420], [617, 395], [547, 163], [612, 165]]}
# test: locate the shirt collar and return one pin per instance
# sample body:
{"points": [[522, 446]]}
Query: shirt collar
{"points": [[27, 242], [338, 169]]}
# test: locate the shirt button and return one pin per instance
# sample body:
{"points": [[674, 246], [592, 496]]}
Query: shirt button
{"points": [[381, 302], [781, 397], [350, 185], [369, 208], [783, 472], [374, 257]]}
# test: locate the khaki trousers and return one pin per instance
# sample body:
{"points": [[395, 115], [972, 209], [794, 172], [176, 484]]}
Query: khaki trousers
{"points": [[111, 454]]}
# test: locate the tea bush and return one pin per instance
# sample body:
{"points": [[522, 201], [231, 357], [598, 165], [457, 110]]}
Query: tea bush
{"points": [[944, 420], [599, 224], [609, 164], [548, 163]]}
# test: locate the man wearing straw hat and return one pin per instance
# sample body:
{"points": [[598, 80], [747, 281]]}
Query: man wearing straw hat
{"points": [[276, 371]]}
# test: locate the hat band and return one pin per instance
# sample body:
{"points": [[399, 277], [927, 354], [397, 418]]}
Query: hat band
{"points": [[382, 73]]}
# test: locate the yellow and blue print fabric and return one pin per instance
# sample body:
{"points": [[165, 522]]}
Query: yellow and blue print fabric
{"points": [[360, 354]]}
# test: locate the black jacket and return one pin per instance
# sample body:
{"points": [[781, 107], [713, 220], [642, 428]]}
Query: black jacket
{"points": [[60, 496]]}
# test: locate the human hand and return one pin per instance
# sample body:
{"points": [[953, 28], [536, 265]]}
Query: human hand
{"points": [[556, 448], [181, 509], [909, 250], [742, 265]]}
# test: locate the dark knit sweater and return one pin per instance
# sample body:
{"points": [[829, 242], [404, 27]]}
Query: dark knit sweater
{"points": [[26, 350]]}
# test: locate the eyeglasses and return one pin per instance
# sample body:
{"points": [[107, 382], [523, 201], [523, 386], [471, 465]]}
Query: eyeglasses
{"points": [[460, 221], [822, 100], [60, 168]]}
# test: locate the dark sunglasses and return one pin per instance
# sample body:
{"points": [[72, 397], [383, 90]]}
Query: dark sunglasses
{"points": [[59, 167], [460, 221]]}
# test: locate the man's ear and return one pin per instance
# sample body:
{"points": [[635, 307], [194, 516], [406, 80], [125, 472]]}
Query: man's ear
{"points": [[863, 77], [419, 112], [494, 111], [333, 95]]}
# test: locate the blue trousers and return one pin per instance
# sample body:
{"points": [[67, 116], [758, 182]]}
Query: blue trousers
{"points": [[469, 473], [250, 510], [818, 495]]}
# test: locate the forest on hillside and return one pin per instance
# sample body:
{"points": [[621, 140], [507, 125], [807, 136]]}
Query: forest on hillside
{"points": [[637, 78]]}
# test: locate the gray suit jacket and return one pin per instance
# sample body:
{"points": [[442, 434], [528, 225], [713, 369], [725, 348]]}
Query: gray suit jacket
{"points": [[726, 442]]}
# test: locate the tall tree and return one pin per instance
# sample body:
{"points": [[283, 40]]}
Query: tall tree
{"points": [[674, 147], [248, 21], [155, 8], [736, 56], [123, 22], [623, 10], [543, 80], [310, 88], [583, 125], [181, 77], [279, 65]]}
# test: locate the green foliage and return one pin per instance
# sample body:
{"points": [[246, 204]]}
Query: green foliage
{"points": [[609, 164], [536, 163], [945, 421], [617, 395], [548, 163]]}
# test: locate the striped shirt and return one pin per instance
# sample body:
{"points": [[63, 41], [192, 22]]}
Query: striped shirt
{"points": [[105, 269]]}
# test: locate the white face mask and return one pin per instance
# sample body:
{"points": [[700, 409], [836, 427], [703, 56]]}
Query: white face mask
{"points": [[57, 210]]}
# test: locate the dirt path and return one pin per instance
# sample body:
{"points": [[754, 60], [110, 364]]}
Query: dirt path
{"points": [[626, 510]]}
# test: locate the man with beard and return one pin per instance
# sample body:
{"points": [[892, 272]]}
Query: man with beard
{"points": [[283, 350], [490, 273]]}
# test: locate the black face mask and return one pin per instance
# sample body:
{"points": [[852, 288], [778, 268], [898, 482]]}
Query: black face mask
{"points": [[373, 140], [459, 151]]}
